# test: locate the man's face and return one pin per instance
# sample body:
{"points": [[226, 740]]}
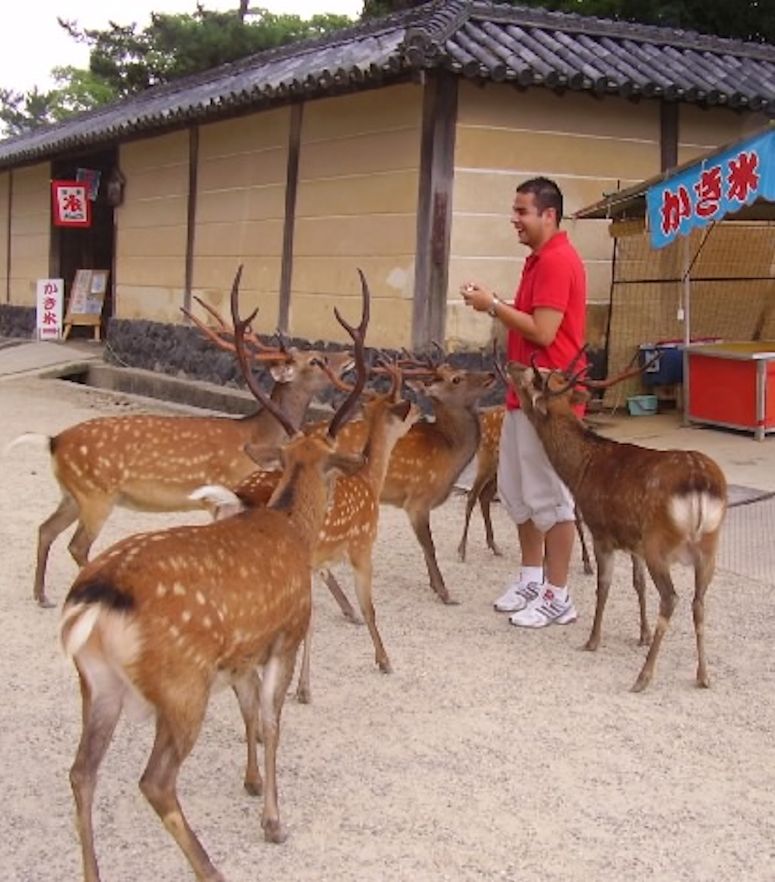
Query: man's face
{"points": [[532, 227]]}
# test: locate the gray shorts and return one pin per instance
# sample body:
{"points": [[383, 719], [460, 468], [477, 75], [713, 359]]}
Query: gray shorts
{"points": [[528, 486]]}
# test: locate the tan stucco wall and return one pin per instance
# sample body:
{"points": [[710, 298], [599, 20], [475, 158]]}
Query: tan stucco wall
{"points": [[357, 207], [5, 183], [702, 130], [589, 146], [240, 212], [151, 228], [30, 231]]}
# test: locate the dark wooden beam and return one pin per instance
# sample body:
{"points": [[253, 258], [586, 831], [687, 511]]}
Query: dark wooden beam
{"points": [[193, 166], [8, 238], [291, 188], [668, 135], [434, 209]]}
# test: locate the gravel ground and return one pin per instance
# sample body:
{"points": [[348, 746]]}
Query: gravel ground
{"points": [[490, 752]]}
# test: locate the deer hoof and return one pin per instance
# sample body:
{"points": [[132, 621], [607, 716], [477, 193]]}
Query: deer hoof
{"points": [[253, 788], [385, 666], [450, 601], [703, 681], [645, 639], [303, 696], [275, 832], [45, 603], [640, 684], [496, 551], [591, 645]]}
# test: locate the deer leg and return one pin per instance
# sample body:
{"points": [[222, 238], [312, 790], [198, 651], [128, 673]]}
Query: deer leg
{"points": [[65, 514], [100, 716], [586, 563], [704, 568], [93, 514], [247, 690], [421, 525], [471, 498], [303, 690], [176, 734], [278, 673], [362, 569], [639, 584], [339, 596], [485, 500], [605, 571], [660, 573]]}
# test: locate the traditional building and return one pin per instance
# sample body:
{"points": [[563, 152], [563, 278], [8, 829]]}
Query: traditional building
{"points": [[393, 146]]}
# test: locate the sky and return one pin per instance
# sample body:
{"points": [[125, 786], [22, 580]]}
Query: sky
{"points": [[32, 43]]}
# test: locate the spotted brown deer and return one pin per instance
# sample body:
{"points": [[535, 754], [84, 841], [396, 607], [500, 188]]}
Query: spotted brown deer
{"points": [[427, 461], [154, 623], [153, 463], [665, 506], [350, 526]]}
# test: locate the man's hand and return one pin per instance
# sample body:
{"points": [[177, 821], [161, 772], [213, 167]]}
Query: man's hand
{"points": [[481, 299]]}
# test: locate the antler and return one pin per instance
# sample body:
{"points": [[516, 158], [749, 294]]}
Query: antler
{"points": [[497, 366], [264, 353], [358, 334], [240, 328], [625, 375]]}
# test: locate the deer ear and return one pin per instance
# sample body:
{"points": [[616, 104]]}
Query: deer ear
{"points": [[264, 457], [283, 373], [344, 463]]}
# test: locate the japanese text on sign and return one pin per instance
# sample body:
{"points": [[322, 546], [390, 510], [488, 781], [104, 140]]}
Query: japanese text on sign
{"points": [[709, 190], [49, 308], [72, 207]]}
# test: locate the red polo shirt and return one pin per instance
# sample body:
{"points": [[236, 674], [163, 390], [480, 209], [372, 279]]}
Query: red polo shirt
{"points": [[553, 277]]}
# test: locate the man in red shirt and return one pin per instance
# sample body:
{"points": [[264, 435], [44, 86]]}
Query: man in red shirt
{"points": [[547, 320]]}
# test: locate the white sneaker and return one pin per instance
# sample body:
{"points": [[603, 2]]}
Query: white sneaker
{"points": [[547, 609], [517, 596]]}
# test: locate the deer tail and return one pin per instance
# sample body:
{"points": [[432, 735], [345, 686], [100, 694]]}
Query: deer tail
{"points": [[35, 438]]}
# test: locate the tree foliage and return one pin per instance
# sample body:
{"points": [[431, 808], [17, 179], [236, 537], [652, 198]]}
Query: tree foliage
{"points": [[742, 19], [125, 60]]}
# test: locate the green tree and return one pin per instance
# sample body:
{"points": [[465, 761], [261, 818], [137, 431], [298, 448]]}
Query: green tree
{"points": [[741, 19], [124, 60], [173, 46]]}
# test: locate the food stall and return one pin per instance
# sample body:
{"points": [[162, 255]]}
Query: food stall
{"points": [[708, 231]]}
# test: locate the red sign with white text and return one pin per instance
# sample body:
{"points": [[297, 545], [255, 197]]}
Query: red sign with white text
{"points": [[72, 207]]}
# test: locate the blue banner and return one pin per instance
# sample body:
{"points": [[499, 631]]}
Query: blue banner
{"points": [[718, 185]]}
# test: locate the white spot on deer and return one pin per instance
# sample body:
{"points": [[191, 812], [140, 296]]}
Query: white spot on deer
{"points": [[161, 589], [178, 589], [185, 616], [174, 631], [200, 598], [207, 622]]}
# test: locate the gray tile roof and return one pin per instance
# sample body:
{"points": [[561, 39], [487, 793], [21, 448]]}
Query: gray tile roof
{"points": [[480, 40]]}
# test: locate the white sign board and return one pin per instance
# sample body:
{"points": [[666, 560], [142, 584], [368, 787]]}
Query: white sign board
{"points": [[50, 299]]}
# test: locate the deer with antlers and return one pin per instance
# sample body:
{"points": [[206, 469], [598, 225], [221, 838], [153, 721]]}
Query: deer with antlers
{"points": [[349, 530], [154, 623], [428, 460], [153, 463], [665, 506]]}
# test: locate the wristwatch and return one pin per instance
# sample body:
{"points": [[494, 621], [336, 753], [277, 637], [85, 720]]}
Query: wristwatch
{"points": [[493, 307]]}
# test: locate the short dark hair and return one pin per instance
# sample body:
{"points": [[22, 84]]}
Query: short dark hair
{"points": [[545, 193]]}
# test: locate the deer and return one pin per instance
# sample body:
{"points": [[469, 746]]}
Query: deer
{"points": [[664, 506], [153, 463], [350, 526], [157, 621], [428, 460]]}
